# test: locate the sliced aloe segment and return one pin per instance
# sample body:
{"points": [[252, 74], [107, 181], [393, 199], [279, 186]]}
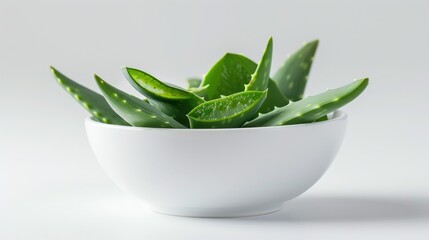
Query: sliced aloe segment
{"points": [[171, 100], [292, 77], [93, 102], [227, 112], [311, 108], [261, 77], [135, 111]]}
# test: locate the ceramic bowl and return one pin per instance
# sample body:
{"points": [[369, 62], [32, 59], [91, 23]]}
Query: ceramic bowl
{"points": [[217, 172]]}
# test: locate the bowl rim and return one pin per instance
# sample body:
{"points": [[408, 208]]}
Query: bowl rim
{"points": [[335, 116]]}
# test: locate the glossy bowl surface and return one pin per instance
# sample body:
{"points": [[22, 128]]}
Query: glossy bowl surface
{"points": [[217, 172]]}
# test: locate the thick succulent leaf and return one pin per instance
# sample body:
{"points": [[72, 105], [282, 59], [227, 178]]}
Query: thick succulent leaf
{"points": [[311, 108], [261, 77], [171, 100], [194, 83], [93, 102], [156, 89], [227, 112], [274, 96], [292, 77], [247, 66], [226, 77], [135, 111]]}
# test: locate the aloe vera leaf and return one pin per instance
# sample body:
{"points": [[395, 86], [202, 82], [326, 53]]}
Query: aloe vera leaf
{"points": [[274, 96], [261, 77], [292, 77], [171, 100], [135, 111], [226, 77], [311, 108], [227, 112], [194, 83], [247, 67], [93, 102]]}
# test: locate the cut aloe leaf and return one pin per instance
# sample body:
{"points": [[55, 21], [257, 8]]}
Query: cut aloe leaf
{"points": [[311, 108], [261, 77], [135, 111], [292, 77], [93, 102], [227, 112], [171, 100], [237, 81]]}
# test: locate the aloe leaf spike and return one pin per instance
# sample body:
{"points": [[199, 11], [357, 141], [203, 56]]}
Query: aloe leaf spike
{"points": [[292, 77], [93, 102], [170, 99], [261, 76], [311, 108], [227, 112], [135, 111]]}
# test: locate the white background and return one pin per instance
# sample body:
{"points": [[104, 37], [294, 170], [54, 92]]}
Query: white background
{"points": [[52, 188]]}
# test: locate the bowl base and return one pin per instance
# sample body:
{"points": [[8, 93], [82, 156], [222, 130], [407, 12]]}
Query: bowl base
{"points": [[219, 212]]}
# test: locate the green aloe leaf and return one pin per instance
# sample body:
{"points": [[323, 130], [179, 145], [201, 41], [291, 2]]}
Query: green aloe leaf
{"points": [[311, 108], [226, 77], [275, 97], [93, 102], [227, 112], [239, 79], [135, 111], [292, 77], [171, 100], [261, 77]]}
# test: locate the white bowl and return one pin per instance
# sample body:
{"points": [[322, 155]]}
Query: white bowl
{"points": [[217, 172]]}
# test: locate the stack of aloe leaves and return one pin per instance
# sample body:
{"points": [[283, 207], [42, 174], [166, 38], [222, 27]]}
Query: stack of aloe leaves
{"points": [[236, 92]]}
